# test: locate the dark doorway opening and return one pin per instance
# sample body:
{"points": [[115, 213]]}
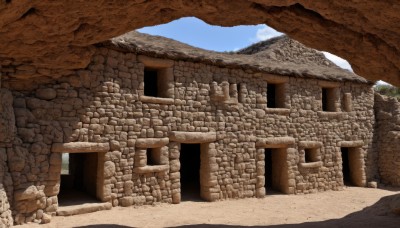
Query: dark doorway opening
{"points": [[346, 167], [268, 169], [151, 82], [190, 172], [79, 183], [276, 171]]}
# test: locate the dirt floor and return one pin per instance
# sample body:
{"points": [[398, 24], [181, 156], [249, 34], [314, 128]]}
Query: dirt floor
{"points": [[352, 207]]}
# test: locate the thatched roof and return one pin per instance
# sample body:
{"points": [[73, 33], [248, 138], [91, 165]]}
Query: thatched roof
{"points": [[281, 56]]}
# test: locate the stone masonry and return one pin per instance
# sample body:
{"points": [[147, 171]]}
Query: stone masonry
{"points": [[387, 138], [104, 110]]}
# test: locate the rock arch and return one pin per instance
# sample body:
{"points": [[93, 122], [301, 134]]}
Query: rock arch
{"points": [[59, 35]]}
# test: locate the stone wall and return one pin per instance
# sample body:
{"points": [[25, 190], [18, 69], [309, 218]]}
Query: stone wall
{"points": [[7, 132], [387, 138], [104, 109]]}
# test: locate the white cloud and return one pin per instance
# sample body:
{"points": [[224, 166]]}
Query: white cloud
{"points": [[265, 33], [338, 61], [380, 82]]}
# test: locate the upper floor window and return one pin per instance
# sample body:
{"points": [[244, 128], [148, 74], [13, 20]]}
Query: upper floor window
{"points": [[154, 83], [276, 95], [158, 79], [329, 99]]}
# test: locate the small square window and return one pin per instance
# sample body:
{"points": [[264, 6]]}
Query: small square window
{"points": [[311, 155], [329, 99], [275, 95], [153, 156]]}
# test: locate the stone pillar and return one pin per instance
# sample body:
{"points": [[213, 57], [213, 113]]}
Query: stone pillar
{"points": [[140, 157], [260, 166], [225, 89], [347, 102], [208, 172], [175, 166]]}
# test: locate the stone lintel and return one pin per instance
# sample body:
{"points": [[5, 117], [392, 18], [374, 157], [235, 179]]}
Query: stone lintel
{"points": [[193, 137], [310, 144], [328, 84], [271, 78], [151, 142], [281, 111], [274, 142], [358, 143], [80, 147], [157, 100], [155, 62], [151, 169], [332, 115], [311, 164]]}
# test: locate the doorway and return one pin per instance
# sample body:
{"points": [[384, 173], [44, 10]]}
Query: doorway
{"points": [[352, 166], [79, 179], [346, 167], [276, 170], [190, 172]]}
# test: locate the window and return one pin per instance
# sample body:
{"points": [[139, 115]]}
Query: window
{"points": [[153, 156], [329, 99], [311, 155], [156, 83], [275, 95], [239, 92], [158, 80], [151, 82]]}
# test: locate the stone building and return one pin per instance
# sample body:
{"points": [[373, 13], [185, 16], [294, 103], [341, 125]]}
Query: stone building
{"points": [[153, 120]]}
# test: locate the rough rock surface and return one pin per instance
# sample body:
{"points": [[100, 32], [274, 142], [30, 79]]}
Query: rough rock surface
{"points": [[387, 138], [7, 119], [57, 36]]}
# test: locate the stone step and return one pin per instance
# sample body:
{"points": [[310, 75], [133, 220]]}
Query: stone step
{"points": [[82, 208]]}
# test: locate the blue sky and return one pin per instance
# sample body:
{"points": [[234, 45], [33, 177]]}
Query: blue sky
{"points": [[197, 33]]}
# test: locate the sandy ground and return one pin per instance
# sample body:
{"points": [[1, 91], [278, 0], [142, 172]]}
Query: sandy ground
{"points": [[352, 207]]}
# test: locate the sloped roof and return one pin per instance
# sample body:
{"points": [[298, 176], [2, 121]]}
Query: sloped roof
{"points": [[284, 49], [281, 56]]}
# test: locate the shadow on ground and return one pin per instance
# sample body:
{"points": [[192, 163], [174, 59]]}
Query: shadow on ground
{"points": [[379, 214]]}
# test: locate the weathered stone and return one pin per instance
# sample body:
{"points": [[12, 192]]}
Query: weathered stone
{"points": [[151, 169], [46, 93], [192, 137], [80, 147], [126, 201], [7, 118], [151, 142], [275, 142], [310, 144], [109, 169], [26, 194]]}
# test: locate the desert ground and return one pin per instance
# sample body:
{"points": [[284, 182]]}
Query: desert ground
{"points": [[352, 207]]}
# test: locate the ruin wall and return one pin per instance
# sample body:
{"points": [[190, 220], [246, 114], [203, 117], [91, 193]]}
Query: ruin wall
{"points": [[387, 138]]}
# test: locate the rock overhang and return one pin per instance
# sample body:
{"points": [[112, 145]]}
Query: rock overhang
{"points": [[59, 35]]}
